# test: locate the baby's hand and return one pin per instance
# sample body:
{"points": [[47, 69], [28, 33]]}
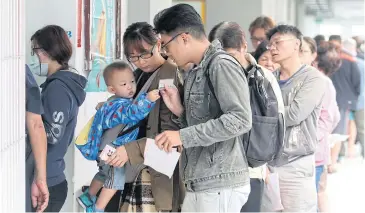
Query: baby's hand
{"points": [[153, 95]]}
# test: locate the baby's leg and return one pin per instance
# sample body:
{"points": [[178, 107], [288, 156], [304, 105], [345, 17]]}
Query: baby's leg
{"points": [[104, 198], [115, 182], [96, 184]]}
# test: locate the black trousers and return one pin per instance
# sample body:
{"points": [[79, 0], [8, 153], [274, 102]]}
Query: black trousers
{"points": [[57, 197], [253, 203]]}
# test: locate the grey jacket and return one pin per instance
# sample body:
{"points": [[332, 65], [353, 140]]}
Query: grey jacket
{"points": [[302, 94], [213, 155]]}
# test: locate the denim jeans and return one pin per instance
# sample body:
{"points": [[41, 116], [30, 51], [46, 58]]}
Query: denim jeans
{"points": [[319, 172]]}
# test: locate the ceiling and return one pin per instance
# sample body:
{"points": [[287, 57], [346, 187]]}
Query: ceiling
{"points": [[349, 11]]}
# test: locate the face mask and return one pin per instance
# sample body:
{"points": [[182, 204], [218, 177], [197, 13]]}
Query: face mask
{"points": [[40, 69]]}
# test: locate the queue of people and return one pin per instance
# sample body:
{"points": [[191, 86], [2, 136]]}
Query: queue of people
{"points": [[207, 114]]}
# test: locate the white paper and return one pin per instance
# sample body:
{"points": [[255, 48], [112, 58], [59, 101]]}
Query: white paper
{"points": [[160, 160], [336, 138], [165, 82]]}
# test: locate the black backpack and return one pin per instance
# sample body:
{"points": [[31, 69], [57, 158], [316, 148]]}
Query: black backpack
{"points": [[265, 141]]}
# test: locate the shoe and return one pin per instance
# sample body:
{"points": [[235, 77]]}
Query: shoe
{"points": [[93, 209], [85, 200], [90, 208]]}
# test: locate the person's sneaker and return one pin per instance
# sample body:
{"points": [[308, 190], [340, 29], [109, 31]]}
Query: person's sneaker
{"points": [[85, 200], [90, 208], [93, 209]]}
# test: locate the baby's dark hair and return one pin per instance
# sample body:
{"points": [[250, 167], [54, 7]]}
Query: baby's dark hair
{"points": [[114, 67]]}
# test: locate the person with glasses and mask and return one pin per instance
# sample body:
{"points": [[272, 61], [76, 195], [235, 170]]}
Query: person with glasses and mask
{"points": [[302, 88], [62, 95], [155, 191], [213, 118], [258, 29]]}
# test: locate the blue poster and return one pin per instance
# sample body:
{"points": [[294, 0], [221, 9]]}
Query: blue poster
{"points": [[102, 48]]}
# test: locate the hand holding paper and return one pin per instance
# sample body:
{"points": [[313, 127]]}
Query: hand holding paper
{"points": [[159, 160]]}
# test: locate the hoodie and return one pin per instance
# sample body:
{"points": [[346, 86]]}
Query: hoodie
{"points": [[62, 95]]}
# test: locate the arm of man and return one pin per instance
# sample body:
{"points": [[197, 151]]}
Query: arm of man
{"points": [[38, 141], [166, 116], [231, 89], [34, 124], [307, 98]]}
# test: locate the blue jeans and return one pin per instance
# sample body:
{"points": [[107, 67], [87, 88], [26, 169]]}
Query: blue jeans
{"points": [[319, 171]]}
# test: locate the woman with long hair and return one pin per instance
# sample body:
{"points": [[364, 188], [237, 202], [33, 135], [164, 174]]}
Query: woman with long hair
{"points": [[62, 95]]}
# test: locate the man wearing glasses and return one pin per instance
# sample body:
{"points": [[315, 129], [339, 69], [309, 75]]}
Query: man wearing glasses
{"points": [[213, 162], [302, 88]]}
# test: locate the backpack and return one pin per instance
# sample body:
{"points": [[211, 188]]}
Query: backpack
{"points": [[265, 141]]}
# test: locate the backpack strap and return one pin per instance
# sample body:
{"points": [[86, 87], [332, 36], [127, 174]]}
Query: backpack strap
{"points": [[111, 135], [233, 59]]}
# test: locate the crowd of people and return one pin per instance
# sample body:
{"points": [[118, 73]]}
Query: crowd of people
{"points": [[206, 114]]}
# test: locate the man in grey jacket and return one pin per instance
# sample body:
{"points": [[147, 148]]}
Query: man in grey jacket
{"points": [[302, 89], [213, 163]]}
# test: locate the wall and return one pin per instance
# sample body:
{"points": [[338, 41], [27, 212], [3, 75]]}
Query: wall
{"points": [[245, 11], [12, 106], [145, 10], [236, 10], [40, 13]]}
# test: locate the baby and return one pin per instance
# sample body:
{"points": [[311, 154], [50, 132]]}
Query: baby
{"points": [[121, 82]]}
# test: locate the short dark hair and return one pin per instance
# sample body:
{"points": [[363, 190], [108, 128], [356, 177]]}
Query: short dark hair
{"points": [[230, 34], [54, 41], [335, 38], [261, 49], [311, 42], [116, 66], [179, 18], [328, 58], [135, 34], [286, 29], [264, 22], [319, 39]]}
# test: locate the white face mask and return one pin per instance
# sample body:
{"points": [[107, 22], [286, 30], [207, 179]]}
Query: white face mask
{"points": [[40, 69]]}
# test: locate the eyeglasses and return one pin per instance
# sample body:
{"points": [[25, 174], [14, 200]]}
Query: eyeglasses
{"points": [[164, 47], [274, 44], [142, 56], [305, 51], [257, 40], [34, 49]]}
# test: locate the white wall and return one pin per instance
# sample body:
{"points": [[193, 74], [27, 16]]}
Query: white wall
{"points": [[40, 13], [245, 11], [145, 10], [12, 106]]}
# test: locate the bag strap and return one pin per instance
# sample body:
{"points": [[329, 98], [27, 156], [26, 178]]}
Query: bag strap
{"points": [[111, 134], [210, 85]]}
